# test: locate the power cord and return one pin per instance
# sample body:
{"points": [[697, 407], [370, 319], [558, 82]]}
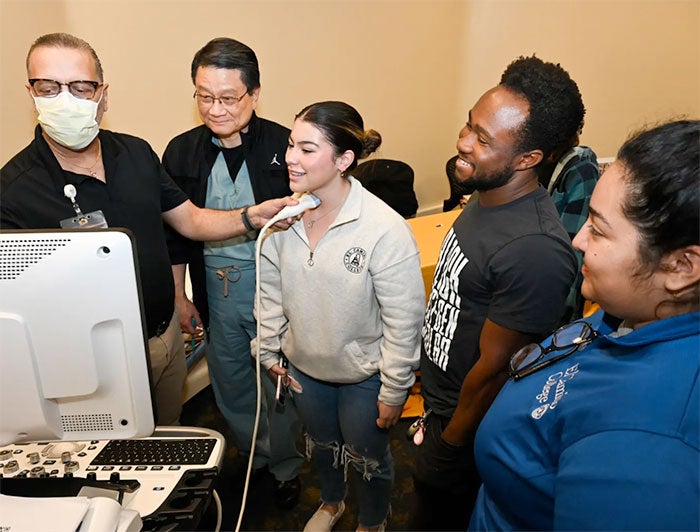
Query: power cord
{"points": [[219, 510], [306, 201]]}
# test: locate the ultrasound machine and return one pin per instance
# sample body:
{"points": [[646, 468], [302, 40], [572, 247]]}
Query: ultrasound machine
{"points": [[77, 437]]}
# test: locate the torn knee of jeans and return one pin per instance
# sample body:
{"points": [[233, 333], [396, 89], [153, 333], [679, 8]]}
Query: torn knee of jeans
{"points": [[364, 465], [311, 444]]}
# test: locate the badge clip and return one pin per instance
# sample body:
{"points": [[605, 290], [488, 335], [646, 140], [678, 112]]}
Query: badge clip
{"points": [[90, 220]]}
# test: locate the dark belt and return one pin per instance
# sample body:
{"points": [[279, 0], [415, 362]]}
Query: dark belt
{"points": [[162, 327], [159, 329]]}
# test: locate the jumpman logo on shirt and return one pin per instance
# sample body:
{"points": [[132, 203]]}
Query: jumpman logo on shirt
{"points": [[275, 161]]}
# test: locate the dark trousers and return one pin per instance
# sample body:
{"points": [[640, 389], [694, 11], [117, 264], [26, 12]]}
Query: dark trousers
{"points": [[446, 481]]}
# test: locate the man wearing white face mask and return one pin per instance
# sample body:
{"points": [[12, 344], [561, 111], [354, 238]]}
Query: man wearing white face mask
{"points": [[118, 176], [69, 120]]}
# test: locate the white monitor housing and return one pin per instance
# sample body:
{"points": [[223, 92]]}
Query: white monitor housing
{"points": [[73, 352]]}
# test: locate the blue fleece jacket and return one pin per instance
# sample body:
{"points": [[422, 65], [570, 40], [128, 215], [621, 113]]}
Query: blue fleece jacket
{"points": [[606, 439]]}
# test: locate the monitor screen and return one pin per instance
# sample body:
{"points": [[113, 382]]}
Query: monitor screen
{"points": [[73, 349]]}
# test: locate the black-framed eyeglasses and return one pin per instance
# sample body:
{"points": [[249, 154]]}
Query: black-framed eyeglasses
{"points": [[49, 88], [570, 338], [208, 100]]}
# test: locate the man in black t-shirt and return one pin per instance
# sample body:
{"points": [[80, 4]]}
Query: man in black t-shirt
{"points": [[501, 281]]}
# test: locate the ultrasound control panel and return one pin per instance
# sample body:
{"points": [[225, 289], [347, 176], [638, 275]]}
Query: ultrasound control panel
{"points": [[167, 478]]}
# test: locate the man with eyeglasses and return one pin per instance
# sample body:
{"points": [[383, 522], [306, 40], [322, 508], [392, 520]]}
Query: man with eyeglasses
{"points": [[73, 174], [234, 159], [501, 281]]}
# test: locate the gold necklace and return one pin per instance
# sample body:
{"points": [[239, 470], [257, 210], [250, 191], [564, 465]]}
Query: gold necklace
{"points": [[310, 224], [90, 169]]}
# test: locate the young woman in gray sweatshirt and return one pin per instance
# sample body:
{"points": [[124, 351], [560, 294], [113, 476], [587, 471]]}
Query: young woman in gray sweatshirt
{"points": [[342, 302]]}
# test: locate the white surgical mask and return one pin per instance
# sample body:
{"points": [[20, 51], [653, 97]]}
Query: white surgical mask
{"points": [[68, 120]]}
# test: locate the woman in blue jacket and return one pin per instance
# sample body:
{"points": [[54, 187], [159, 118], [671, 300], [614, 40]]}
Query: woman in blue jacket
{"points": [[598, 426]]}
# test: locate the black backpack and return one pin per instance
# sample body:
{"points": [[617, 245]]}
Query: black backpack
{"points": [[391, 181]]}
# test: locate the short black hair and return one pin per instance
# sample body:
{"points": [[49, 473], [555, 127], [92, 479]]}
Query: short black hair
{"points": [[224, 52], [556, 107], [662, 174]]}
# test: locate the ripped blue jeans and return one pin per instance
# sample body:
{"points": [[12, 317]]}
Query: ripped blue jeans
{"points": [[342, 434]]}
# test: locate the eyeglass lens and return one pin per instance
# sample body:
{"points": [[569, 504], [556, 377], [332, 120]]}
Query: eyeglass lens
{"points": [[48, 88], [226, 101], [526, 356], [571, 334]]}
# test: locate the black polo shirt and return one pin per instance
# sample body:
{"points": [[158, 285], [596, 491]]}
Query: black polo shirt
{"points": [[136, 192]]}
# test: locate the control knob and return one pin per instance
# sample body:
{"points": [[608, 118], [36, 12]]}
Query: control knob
{"points": [[36, 472], [10, 467]]}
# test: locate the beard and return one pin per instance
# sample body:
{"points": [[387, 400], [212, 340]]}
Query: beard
{"points": [[491, 181], [457, 187]]}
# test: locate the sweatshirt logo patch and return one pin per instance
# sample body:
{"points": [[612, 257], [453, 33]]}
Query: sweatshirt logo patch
{"points": [[275, 161], [354, 260]]}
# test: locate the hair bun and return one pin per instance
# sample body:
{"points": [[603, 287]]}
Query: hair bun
{"points": [[371, 141]]}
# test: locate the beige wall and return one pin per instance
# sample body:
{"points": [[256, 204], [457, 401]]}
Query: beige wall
{"points": [[413, 68]]}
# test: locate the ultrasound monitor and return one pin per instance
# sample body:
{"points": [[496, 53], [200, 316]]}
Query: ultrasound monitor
{"points": [[73, 350]]}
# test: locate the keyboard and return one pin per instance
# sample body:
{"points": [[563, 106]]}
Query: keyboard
{"points": [[167, 478], [155, 452]]}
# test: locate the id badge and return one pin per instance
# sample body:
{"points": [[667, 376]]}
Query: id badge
{"points": [[91, 220]]}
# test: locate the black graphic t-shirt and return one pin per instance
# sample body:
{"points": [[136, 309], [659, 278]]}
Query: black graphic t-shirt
{"points": [[512, 264]]}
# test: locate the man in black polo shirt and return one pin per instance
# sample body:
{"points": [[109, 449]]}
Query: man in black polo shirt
{"points": [[71, 163]]}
